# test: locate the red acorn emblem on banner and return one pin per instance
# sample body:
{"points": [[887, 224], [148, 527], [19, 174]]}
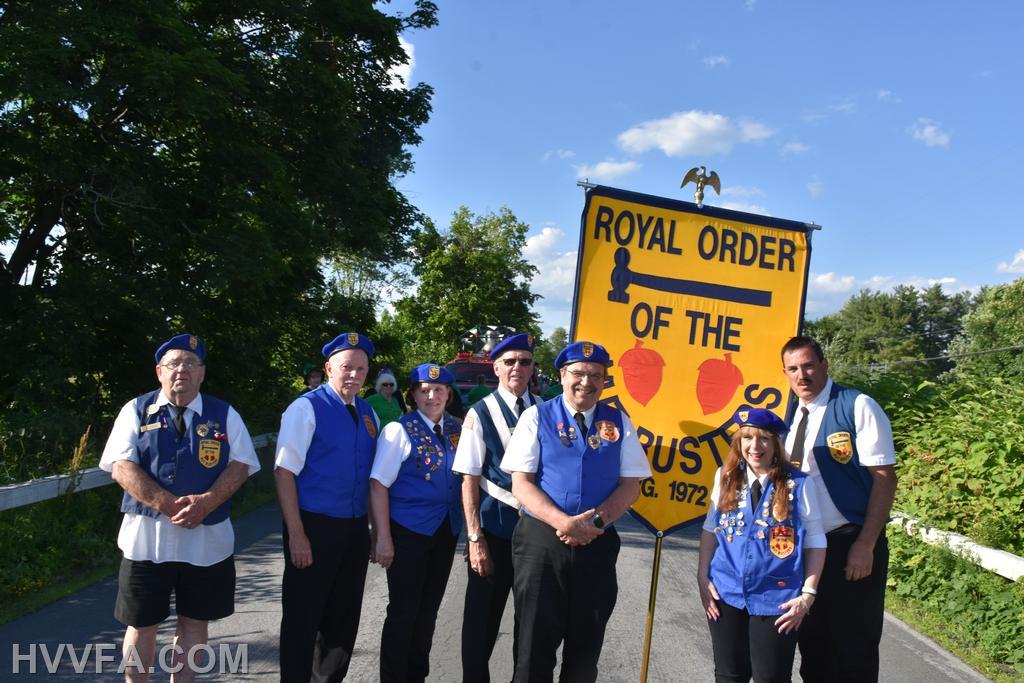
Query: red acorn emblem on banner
{"points": [[641, 372], [717, 381]]}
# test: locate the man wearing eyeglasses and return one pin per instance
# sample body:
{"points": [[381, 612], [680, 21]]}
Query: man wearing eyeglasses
{"points": [[179, 456], [491, 510], [576, 467]]}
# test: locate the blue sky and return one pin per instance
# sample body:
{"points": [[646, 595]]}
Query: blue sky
{"points": [[895, 126]]}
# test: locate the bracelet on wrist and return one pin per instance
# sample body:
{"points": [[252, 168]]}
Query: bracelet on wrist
{"points": [[809, 591]]}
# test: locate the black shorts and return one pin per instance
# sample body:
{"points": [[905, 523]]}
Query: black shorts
{"points": [[201, 593]]}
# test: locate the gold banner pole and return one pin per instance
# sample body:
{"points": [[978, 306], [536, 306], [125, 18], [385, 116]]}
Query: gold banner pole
{"points": [[650, 606]]}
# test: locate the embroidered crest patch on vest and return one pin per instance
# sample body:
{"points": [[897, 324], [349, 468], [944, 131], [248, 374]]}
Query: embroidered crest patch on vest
{"points": [[782, 543], [608, 431], [209, 452], [370, 427], [840, 446]]}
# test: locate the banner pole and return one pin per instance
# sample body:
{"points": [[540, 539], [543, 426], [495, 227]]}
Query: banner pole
{"points": [[650, 606]]}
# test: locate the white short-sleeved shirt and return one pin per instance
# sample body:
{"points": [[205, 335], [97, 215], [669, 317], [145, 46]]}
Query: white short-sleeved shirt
{"points": [[298, 422], [393, 448], [523, 452], [874, 443], [807, 508], [469, 457], [156, 539]]}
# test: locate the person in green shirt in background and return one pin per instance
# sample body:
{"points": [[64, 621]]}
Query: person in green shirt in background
{"points": [[478, 392], [384, 402]]}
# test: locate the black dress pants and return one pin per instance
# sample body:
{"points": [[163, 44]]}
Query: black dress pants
{"points": [[839, 638], [747, 645], [417, 579], [320, 604], [562, 593], [486, 597]]}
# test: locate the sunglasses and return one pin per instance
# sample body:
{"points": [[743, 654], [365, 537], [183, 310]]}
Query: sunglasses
{"points": [[387, 384], [524, 362]]}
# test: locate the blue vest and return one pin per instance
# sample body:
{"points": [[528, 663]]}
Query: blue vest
{"points": [[495, 516], [182, 465], [759, 562], [335, 479], [578, 471], [848, 483], [426, 489]]}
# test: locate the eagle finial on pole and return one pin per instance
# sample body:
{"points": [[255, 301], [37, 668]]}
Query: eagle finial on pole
{"points": [[698, 175]]}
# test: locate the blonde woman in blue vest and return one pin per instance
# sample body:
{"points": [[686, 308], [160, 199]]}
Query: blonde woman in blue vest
{"points": [[762, 549], [416, 502]]}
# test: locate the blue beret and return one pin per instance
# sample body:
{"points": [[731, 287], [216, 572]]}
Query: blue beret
{"points": [[185, 342], [762, 419], [517, 342], [348, 340], [583, 351], [432, 374]]}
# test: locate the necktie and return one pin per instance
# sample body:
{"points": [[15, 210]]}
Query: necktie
{"points": [[352, 412], [437, 433], [520, 406], [582, 422], [797, 456], [755, 493], [179, 419]]}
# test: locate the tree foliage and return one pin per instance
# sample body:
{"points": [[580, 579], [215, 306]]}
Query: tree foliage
{"points": [[473, 273], [547, 350], [171, 166], [997, 322]]}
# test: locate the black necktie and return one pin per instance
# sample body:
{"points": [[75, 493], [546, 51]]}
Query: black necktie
{"points": [[352, 411], [582, 422], [755, 493], [520, 406], [797, 456], [179, 419], [437, 433]]}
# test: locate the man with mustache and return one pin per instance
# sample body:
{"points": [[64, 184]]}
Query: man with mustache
{"points": [[843, 439], [574, 479], [325, 449]]}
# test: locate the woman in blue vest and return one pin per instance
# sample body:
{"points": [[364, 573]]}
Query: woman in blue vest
{"points": [[761, 554], [416, 503]]}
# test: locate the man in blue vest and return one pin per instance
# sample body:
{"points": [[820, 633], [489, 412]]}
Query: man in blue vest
{"points": [[322, 470], [491, 510], [179, 456], [843, 439], [576, 467]]}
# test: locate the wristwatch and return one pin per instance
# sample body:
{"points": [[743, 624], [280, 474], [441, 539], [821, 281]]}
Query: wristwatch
{"points": [[598, 522], [473, 538]]}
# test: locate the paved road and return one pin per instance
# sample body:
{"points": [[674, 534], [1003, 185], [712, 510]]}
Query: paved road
{"points": [[681, 645]]}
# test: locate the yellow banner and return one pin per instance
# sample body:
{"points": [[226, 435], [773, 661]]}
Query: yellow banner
{"points": [[693, 305]]}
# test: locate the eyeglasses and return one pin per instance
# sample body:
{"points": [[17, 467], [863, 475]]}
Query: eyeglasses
{"points": [[387, 384], [592, 376], [523, 362], [181, 365]]}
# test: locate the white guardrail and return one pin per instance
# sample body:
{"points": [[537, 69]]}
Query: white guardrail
{"points": [[37, 490], [998, 561]]}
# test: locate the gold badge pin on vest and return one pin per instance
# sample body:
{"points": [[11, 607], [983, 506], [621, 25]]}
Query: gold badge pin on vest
{"points": [[840, 447], [209, 452]]}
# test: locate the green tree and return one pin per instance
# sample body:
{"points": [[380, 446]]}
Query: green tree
{"points": [[996, 322], [547, 350], [474, 273], [171, 166]]}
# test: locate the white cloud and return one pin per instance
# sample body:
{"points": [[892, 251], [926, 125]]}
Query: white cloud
{"points": [[606, 170], [815, 187], [558, 154], [716, 60], [743, 206], [846, 105], [888, 96], [742, 191], [930, 133], [832, 283], [555, 279], [828, 292], [1014, 266], [794, 148], [401, 74], [692, 132]]}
